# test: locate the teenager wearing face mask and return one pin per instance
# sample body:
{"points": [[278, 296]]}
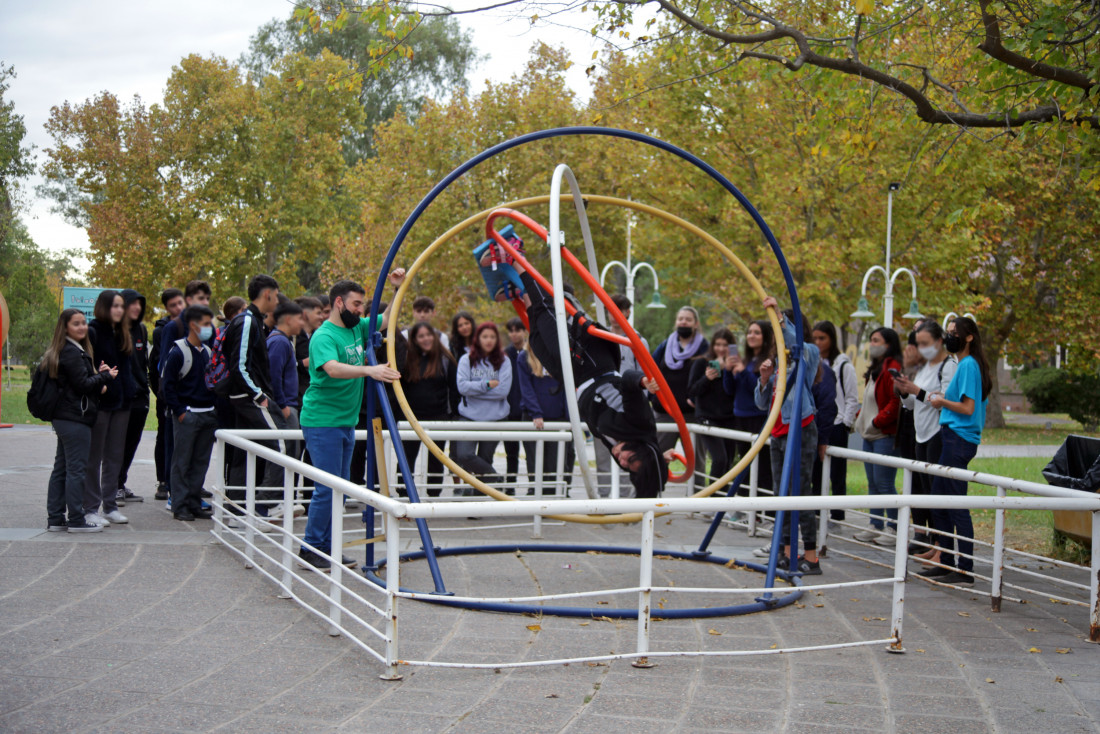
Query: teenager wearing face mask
{"points": [[673, 357], [962, 419], [428, 380], [484, 380], [933, 378], [877, 423]]}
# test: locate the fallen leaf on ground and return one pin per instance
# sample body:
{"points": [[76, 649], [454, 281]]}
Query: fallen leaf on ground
{"points": [[964, 614], [1063, 650], [713, 632], [551, 695], [818, 606], [1058, 679], [919, 650], [774, 645], [1034, 649], [990, 680], [534, 627], [584, 624]]}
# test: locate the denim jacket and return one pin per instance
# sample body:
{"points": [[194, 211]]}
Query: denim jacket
{"points": [[807, 372]]}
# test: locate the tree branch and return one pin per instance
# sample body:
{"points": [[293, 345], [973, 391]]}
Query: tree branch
{"points": [[992, 45]]}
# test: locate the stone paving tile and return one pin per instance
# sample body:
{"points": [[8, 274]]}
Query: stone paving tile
{"points": [[188, 634]]}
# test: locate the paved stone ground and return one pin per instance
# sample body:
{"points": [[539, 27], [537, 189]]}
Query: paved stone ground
{"points": [[150, 627]]}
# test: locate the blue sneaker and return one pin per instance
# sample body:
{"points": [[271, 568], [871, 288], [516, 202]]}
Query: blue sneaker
{"points": [[168, 504], [206, 506]]}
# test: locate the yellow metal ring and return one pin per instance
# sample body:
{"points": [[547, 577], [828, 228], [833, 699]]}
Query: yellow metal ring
{"points": [[473, 481]]}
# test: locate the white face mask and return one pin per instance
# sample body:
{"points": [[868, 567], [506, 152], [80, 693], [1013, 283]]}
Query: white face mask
{"points": [[876, 350], [929, 353]]}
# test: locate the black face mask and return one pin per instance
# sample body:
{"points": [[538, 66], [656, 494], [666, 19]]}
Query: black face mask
{"points": [[684, 332], [952, 343], [349, 319]]}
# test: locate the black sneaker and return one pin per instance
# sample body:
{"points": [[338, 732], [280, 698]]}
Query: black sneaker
{"points": [[162, 491], [783, 563], [307, 558], [935, 572], [957, 577], [130, 496], [57, 526], [83, 527], [207, 495], [348, 561], [809, 568], [184, 514]]}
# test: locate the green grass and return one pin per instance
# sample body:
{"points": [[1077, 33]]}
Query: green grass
{"points": [[1027, 530]]}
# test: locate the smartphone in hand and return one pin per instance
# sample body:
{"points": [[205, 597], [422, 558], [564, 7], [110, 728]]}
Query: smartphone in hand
{"points": [[894, 372]]}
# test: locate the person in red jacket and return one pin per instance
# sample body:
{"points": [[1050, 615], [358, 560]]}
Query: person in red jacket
{"points": [[877, 423]]}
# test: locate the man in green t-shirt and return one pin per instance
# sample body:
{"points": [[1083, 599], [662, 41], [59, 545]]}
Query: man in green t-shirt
{"points": [[330, 406]]}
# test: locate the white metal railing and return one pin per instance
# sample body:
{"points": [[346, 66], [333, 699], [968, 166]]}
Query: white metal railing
{"points": [[367, 612]]}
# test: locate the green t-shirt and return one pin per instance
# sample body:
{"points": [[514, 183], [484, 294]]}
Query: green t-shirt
{"points": [[330, 402]]}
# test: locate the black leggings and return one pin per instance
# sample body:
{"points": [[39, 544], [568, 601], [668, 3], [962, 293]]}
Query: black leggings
{"points": [[598, 355]]}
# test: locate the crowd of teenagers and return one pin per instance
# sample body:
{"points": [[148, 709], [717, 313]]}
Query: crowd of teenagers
{"points": [[269, 362]]}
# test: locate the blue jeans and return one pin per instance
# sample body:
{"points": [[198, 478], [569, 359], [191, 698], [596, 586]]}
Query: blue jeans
{"points": [[330, 450], [956, 452], [880, 479]]}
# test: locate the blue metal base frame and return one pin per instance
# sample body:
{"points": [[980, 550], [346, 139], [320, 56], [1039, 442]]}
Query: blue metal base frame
{"points": [[760, 605]]}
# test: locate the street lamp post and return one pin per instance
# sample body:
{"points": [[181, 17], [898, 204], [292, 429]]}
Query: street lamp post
{"points": [[863, 310], [631, 272]]}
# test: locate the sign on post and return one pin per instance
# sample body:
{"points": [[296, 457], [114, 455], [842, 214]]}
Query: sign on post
{"points": [[82, 299]]}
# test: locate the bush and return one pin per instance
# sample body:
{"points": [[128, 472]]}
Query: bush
{"points": [[1053, 390]]}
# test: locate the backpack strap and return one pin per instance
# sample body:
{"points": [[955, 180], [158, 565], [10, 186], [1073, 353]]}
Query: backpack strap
{"points": [[182, 345]]}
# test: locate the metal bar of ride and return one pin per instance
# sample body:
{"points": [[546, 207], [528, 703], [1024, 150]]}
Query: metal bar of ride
{"points": [[645, 580]]}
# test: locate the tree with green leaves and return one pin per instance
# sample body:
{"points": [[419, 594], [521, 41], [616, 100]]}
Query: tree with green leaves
{"points": [[435, 64], [227, 178], [16, 160]]}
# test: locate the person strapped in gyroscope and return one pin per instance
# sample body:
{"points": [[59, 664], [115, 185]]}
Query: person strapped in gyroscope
{"points": [[614, 406]]}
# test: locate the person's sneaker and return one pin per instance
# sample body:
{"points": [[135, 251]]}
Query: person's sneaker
{"points": [[205, 494], [205, 506], [95, 518], [83, 527], [116, 517], [162, 492], [129, 496], [276, 512], [835, 528], [56, 526], [956, 577], [782, 563], [348, 561], [809, 568], [309, 559], [866, 536], [168, 504], [763, 551], [184, 515], [120, 497], [935, 572], [203, 515], [887, 537]]}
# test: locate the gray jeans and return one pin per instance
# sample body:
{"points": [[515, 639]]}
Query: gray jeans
{"points": [[193, 438], [105, 460], [807, 519], [66, 488]]}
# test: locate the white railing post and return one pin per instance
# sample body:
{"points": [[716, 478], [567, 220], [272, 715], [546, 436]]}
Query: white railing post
{"points": [[995, 593], [336, 570], [645, 584], [826, 491], [615, 478], [901, 559], [540, 458], [288, 532], [393, 585], [1094, 581], [219, 489], [250, 509], [754, 483]]}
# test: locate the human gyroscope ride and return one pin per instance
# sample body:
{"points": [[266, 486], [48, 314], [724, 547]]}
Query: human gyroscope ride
{"points": [[582, 354]]}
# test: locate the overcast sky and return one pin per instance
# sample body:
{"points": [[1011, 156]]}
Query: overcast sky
{"points": [[64, 50]]}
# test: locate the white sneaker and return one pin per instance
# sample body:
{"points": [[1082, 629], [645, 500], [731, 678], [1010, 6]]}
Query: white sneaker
{"points": [[117, 517], [239, 523], [94, 518], [866, 536], [763, 551], [276, 513], [888, 537]]}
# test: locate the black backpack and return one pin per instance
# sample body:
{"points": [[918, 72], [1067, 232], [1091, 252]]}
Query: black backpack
{"points": [[44, 395]]}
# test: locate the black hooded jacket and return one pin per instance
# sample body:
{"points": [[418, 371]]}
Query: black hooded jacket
{"points": [[154, 355], [120, 391], [139, 335], [80, 386]]}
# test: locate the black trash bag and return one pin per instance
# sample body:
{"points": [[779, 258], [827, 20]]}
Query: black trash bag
{"points": [[1076, 465]]}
